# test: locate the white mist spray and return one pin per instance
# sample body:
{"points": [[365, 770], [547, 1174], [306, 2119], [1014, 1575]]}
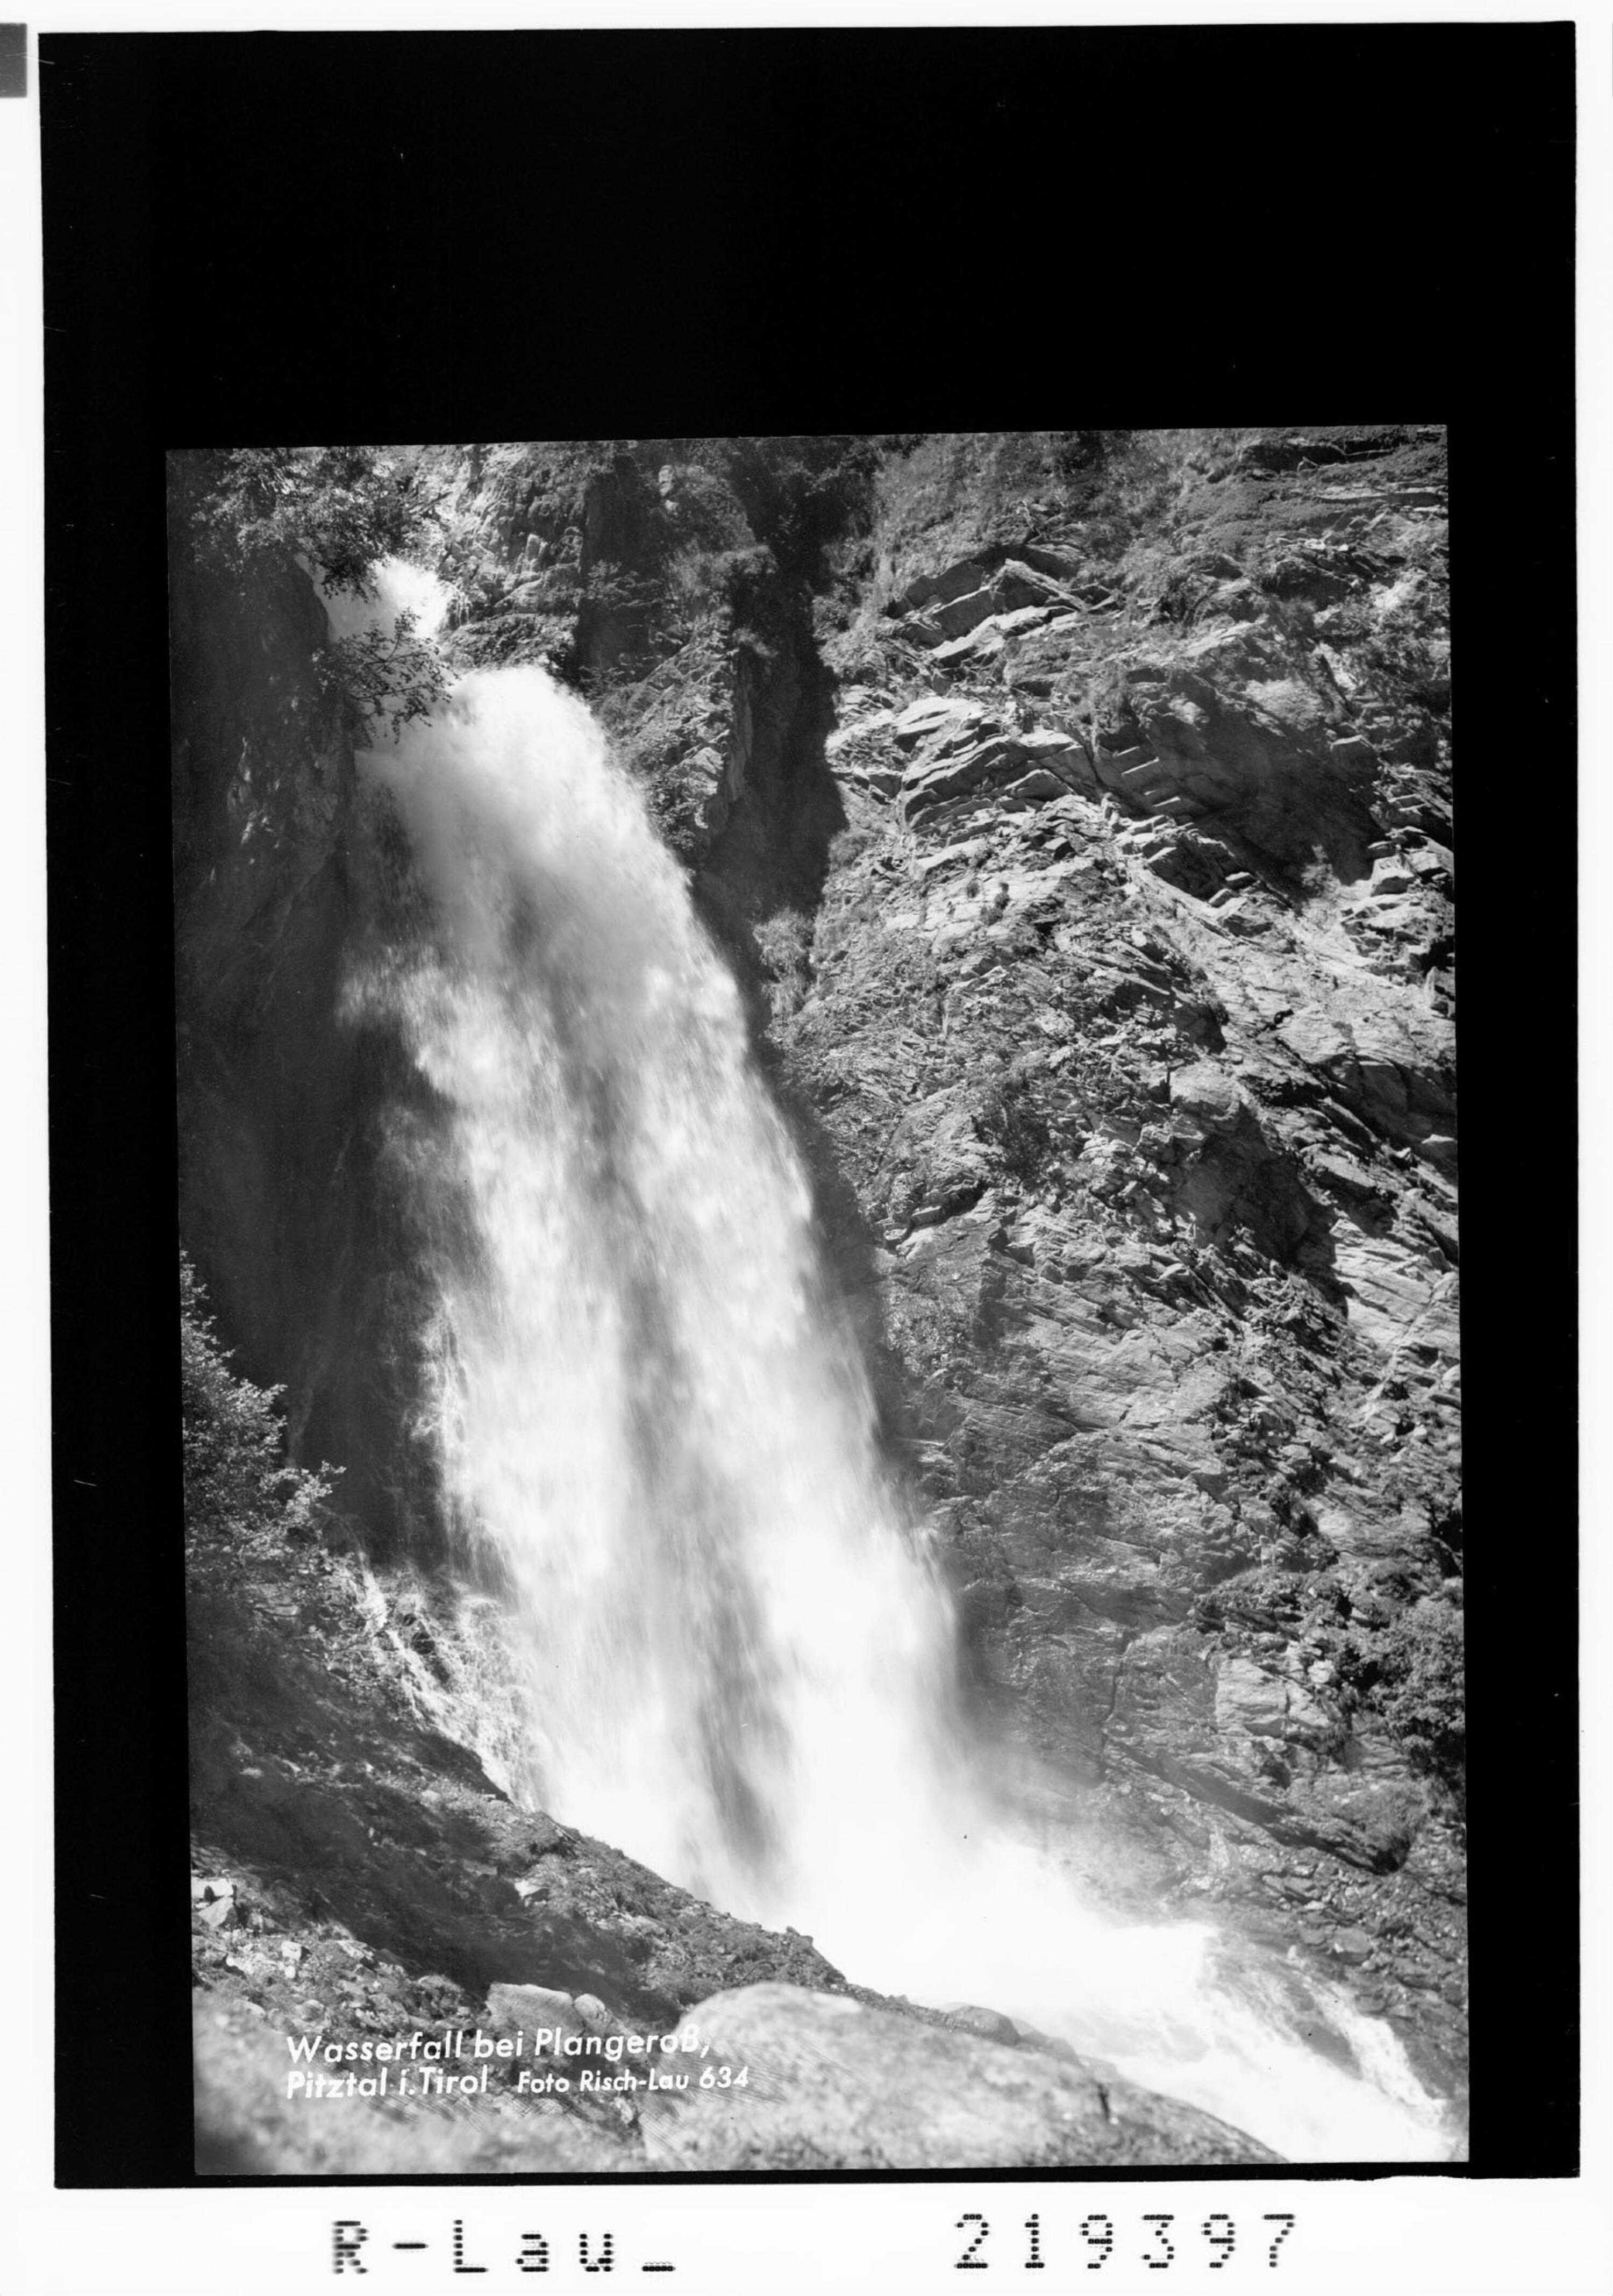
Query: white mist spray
{"points": [[738, 1653]]}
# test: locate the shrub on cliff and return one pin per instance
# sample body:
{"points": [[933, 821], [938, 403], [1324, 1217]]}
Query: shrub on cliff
{"points": [[1011, 1120], [342, 509], [1412, 1672], [249, 516], [1419, 1688], [242, 1501], [389, 677], [802, 494]]}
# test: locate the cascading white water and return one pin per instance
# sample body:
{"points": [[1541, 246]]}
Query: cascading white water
{"points": [[738, 1651]]}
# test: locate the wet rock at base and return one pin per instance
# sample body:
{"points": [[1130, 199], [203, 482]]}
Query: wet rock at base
{"points": [[834, 2085]]}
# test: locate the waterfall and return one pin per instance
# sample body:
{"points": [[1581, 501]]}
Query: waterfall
{"points": [[641, 1401], [653, 1429]]}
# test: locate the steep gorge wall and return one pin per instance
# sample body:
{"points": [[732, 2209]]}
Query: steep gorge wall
{"points": [[1078, 814], [285, 1200]]}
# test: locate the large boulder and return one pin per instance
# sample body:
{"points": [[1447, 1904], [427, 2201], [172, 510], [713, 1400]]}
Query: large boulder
{"points": [[831, 2084]]}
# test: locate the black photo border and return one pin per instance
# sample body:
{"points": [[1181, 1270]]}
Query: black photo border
{"points": [[383, 236]]}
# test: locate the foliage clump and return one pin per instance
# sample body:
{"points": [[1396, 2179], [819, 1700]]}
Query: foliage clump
{"points": [[249, 514], [243, 1502], [383, 677], [341, 509], [1411, 1672], [1418, 1687], [802, 494], [1011, 1120]]}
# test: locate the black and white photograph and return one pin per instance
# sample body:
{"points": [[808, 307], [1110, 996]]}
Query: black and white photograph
{"points": [[822, 1382], [786, 1537]]}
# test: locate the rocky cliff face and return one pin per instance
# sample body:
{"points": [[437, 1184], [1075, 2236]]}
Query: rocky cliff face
{"points": [[1155, 1158], [1076, 811], [286, 1200]]}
